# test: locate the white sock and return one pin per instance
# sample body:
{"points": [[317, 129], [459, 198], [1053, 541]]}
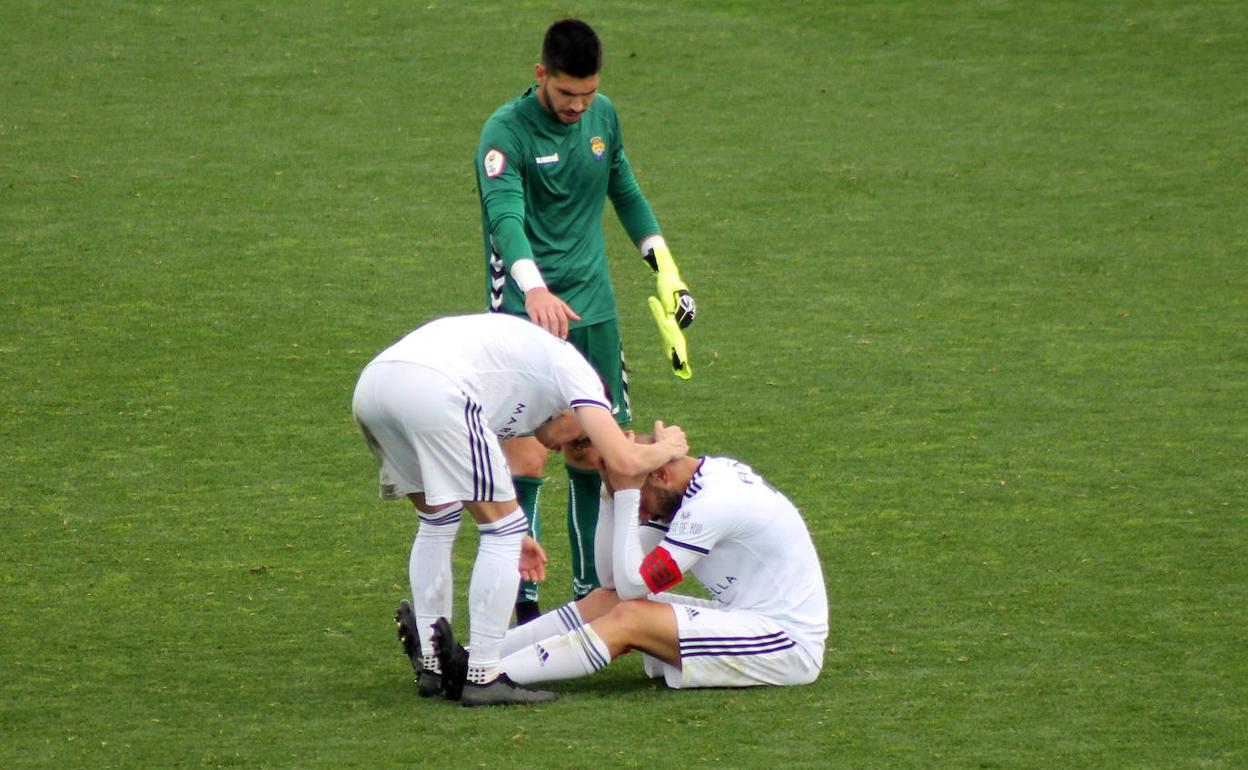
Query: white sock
{"points": [[553, 623], [580, 652], [492, 592], [429, 572]]}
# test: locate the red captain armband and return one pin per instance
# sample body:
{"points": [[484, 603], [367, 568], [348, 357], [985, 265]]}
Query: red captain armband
{"points": [[660, 570]]}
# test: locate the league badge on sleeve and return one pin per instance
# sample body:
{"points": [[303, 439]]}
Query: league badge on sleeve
{"points": [[495, 162], [598, 148]]}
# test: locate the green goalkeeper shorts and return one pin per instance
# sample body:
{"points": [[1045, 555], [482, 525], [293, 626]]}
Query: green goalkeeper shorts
{"points": [[601, 346]]}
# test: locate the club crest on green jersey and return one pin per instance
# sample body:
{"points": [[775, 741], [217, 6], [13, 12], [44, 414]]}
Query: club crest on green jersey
{"points": [[495, 162], [598, 148]]}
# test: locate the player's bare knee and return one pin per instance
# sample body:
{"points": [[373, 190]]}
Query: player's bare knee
{"points": [[418, 500], [597, 603], [631, 613], [644, 625], [485, 512], [525, 456]]}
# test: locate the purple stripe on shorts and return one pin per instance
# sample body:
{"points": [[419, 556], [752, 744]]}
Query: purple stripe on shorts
{"points": [[472, 449], [764, 644], [730, 640], [489, 459], [726, 652], [482, 468]]}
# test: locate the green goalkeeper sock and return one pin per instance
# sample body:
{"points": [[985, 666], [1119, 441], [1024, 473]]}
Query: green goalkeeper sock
{"points": [[583, 490], [528, 490]]}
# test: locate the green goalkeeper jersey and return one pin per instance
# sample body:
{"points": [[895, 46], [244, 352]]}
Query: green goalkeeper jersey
{"points": [[542, 186]]}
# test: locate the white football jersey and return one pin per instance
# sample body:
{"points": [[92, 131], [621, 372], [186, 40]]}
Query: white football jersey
{"points": [[749, 547], [520, 374]]}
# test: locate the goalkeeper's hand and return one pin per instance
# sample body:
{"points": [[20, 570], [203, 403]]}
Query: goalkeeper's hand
{"points": [[674, 347], [675, 296]]}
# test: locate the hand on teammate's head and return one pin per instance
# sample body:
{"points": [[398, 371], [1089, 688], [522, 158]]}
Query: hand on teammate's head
{"points": [[640, 438], [673, 436]]}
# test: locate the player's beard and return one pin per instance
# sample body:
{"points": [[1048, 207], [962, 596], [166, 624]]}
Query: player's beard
{"points": [[565, 119], [659, 504]]}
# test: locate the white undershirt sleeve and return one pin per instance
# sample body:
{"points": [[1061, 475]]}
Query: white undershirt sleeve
{"points": [[651, 537], [655, 241], [526, 275], [626, 549], [604, 535]]}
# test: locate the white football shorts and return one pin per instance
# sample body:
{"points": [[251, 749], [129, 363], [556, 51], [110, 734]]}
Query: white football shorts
{"points": [[428, 436], [731, 648]]}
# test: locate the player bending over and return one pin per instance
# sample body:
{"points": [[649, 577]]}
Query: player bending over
{"points": [[432, 408]]}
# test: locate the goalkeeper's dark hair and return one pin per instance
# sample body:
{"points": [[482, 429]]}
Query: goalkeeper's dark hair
{"points": [[571, 47]]}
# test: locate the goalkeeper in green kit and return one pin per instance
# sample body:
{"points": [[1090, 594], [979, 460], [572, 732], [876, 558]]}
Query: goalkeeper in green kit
{"points": [[546, 163]]}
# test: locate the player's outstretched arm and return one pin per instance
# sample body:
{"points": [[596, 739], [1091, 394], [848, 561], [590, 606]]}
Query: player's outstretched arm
{"points": [[542, 306], [622, 455], [549, 312]]}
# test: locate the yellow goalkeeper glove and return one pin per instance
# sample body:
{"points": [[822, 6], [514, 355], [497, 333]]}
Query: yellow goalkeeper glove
{"points": [[677, 301], [673, 339]]}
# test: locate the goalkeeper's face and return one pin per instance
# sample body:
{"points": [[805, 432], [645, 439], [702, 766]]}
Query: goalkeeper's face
{"points": [[564, 96]]}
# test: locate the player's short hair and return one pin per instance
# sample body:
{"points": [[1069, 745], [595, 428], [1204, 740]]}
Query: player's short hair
{"points": [[571, 47]]}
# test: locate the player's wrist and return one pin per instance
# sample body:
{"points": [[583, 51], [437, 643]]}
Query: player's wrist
{"points": [[527, 275], [659, 257], [650, 243]]}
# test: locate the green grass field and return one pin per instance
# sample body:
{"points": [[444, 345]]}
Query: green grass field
{"points": [[973, 288]]}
